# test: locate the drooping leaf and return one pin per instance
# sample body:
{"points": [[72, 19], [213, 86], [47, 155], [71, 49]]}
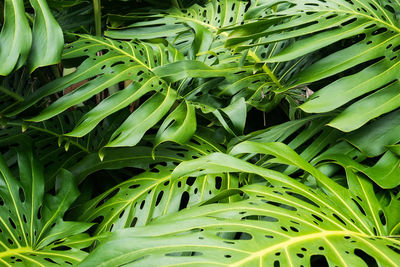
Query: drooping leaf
{"points": [[15, 37], [47, 37], [40, 46]]}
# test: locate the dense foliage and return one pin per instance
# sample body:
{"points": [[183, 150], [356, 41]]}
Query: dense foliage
{"points": [[183, 132]]}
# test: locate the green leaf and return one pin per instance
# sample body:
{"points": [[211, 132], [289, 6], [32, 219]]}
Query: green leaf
{"points": [[110, 105], [179, 126], [372, 106], [142, 119], [273, 225], [149, 195], [33, 230], [47, 37], [373, 138], [15, 37], [143, 156], [368, 37]]}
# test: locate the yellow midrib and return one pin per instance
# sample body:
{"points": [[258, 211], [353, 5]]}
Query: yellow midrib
{"points": [[15, 251], [292, 241]]}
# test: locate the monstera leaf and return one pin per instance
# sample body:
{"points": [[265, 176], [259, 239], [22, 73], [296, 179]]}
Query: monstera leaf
{"points": [[149, 195], [158, 77], [370, 31], [365, 150], [283, 223], [140, 199], [40, 46], [33, 232], [139, 64], [200, 32]]}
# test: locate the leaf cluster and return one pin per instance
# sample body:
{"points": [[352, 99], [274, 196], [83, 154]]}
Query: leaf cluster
{"points": [[219, 132]]}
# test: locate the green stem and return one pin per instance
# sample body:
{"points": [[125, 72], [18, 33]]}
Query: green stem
{"points": [[97, 16], [10, 93], [266, 69]]}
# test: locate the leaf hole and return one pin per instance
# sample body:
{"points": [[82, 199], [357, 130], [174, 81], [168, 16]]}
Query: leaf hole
{"points": [[21, 194], [235, 235], [338, 218], [134, 221], [39, 213], [382, 217], [159, 197], [12, 223], [50, 260], [349, 21], [142, 204], [184, 200], [318, 261], [190, 181], [368, 259], [134, 186], [359, 206], [218, 182], [61, 248], [280, 205]]}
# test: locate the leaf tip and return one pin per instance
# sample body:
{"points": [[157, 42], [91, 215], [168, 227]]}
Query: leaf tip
{"points": [[101, 154], [24, 126]]}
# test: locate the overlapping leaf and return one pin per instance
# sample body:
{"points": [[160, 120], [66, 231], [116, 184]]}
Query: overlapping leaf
{"points": [[107, 64], [140, 199], [365, 150], [200, 32], [31, 221], [371, 31], [40, 46], [284, 224]]}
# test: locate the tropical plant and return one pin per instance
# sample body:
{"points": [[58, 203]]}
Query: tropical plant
{"points": [[33, 232], [367, 61], [148, 133], [39, 47]]}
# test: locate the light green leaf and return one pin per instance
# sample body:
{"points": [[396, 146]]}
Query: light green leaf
{"points": [[141, 199], [273, 225]]}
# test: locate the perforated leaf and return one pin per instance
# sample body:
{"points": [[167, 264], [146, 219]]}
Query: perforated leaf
{"points": [[139, 200], [31, 221], [200, 32], [144, 157], [285, 223], [364, 150], [108, 63], [369, 31]]}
